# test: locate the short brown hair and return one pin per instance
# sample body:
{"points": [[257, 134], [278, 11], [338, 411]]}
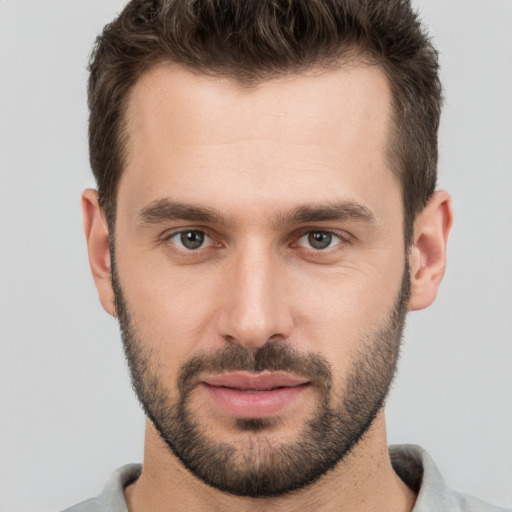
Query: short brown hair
{"points": [[254, 40]]}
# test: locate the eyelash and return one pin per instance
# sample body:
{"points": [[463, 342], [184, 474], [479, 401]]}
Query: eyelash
{"points": [[169, 237], [343, 239]]}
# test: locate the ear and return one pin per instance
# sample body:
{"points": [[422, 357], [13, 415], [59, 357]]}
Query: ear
{"points": [[428, 254], [96, 236]]}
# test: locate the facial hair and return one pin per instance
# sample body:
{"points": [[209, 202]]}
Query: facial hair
{"points": [[264, 467]]}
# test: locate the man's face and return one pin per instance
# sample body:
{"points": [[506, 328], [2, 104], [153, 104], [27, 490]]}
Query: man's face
{"points": [[260, 271]]}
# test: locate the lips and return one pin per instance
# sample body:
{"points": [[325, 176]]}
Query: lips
{"points": [[246, 395], [256, 382]]}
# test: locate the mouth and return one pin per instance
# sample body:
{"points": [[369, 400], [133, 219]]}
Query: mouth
{"points": [[246, 395]]}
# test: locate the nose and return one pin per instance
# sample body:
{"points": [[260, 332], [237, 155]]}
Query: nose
{"points": [[255, 306]]}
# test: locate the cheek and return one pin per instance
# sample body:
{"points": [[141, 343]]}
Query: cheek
{"points": [[174, 310], [339, 313]]}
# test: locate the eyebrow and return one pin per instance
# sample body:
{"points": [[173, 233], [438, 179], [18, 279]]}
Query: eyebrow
{"points": [[338, 211], [162, 210]]}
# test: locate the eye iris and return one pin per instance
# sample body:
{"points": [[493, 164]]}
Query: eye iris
{"points": [[319, 239], [192, 239]]}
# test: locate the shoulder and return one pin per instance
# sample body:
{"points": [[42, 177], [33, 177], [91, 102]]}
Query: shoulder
{"points": [[417, 469], [111, 498]]}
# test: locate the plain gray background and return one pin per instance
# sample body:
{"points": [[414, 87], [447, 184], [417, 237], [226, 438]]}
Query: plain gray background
{"points": [[68, 417]]}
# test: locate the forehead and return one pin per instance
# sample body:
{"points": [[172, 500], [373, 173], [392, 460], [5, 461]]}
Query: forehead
{"points": [[209, 137], [326, 101]]}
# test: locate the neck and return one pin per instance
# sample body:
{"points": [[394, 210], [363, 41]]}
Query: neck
{"points": [[363, 481]]}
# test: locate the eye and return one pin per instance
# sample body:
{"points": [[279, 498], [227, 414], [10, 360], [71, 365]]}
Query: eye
{"points": [[319, 240], [190, 240]]}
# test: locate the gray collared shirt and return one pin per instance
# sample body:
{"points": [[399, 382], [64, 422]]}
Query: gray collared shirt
{"points": [[411, 463]]}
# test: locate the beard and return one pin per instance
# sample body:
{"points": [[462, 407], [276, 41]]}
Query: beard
{"points": [[260, 466]]}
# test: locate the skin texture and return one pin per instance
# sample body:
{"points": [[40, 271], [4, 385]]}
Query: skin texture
{"points": [[254, 460], [255, 157]]}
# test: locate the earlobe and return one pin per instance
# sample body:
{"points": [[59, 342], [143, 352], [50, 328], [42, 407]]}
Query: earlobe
{"points": [[428, 254], [97, 239]]}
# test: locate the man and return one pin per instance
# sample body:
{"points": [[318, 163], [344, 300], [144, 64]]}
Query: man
{"points": [[266, 215]]}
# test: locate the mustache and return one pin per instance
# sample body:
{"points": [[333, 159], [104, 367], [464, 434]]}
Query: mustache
{"points": [[273, 356]]}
